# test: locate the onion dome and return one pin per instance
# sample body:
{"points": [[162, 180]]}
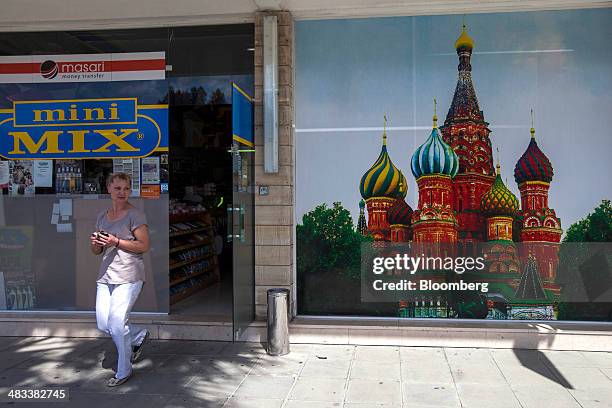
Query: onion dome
{"points": [[464, 41], [533, 164], [434, 156], [499, 200], [383, 178], [399, 213], [361, 204]]}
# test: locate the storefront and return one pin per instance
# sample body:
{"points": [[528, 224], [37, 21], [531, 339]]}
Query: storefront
{"points": [[405, 169], [80, 105]]}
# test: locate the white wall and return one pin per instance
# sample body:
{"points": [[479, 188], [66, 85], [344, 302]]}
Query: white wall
{"points": [[41, 15]]}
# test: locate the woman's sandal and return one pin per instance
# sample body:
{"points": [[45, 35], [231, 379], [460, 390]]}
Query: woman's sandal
{"points": [[137, 351], [115, 382]]}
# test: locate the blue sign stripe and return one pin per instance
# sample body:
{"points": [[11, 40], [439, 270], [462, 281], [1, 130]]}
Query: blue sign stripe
{"points": [[242, 116]]}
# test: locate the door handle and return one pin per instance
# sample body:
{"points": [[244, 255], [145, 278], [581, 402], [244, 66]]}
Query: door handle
{"points": [[230, 224], [241, 223]]}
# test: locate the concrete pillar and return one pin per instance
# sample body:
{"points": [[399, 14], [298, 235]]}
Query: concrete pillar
{"points": [[274, 213]]}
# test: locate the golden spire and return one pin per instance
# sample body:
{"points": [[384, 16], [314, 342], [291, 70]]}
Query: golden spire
{"points": [[498, 166], [464, 40], [435, 116], [385, 130], [532, 130]]}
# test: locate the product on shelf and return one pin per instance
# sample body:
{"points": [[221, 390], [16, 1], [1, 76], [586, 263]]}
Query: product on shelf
{"points": [[177, 207], [193, 262]]}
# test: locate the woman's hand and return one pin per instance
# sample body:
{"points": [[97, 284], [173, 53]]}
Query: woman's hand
{"points": [[94, 241], [95, 245], [107, 240]]}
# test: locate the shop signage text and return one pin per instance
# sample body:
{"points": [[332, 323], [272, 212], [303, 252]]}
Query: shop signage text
{"points": [[129, 66], [82, 128]]}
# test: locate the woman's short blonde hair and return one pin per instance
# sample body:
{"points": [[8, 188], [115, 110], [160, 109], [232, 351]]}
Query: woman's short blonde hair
{"points": [[118, 176]]}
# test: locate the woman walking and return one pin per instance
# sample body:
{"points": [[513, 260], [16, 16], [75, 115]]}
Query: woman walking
{"points": [[121, 238]]}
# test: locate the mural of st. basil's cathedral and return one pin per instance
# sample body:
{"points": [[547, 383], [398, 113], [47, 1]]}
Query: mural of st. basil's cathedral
{"points": [[463, 201]]}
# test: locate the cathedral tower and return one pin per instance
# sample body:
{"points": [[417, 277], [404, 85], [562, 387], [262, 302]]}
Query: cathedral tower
{"points": [[540, 229], [434, 164], [362, 226], [499, 205], [399, 217], [466, 131], [380, 186]]}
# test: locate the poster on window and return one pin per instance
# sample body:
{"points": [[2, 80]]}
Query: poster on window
{"points": [[43, 173], [4, 174], [68, 176], [150, 170], [446, 166], [131, 167], [21, 178]]}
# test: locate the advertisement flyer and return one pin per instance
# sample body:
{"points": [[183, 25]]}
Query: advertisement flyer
{"points": [[68, 176], [4, 174], [150, 170], [21, 179], [150, 191], [43, 173], [131, 167]]}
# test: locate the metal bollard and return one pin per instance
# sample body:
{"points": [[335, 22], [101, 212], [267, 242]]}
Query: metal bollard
{"points": [[278, 322]]}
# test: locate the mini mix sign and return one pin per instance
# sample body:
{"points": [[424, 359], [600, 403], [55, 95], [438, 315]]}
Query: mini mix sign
{"points": [[82, 128], [134, 66]]}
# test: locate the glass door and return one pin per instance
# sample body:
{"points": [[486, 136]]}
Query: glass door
{"points": [[241, 223]]}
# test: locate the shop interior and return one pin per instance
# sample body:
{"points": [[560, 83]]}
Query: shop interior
{"points": [[200, 269]]}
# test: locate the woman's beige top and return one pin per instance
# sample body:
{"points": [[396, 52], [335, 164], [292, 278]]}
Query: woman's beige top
{"points": [[119, 266]]}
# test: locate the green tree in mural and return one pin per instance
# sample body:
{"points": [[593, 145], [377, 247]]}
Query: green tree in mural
{"points": [[329, 264], [595, 227], [327, 242], [584, 266]]}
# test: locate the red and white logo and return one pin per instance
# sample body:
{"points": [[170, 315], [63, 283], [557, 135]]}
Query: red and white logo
{"points": [[49, 69], [83, 67]]}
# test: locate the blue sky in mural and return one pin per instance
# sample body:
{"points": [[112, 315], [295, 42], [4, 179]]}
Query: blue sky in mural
{"points": [[349, 73]]}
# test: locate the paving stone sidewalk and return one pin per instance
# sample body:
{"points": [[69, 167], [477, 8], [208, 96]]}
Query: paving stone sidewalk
{"points": [[219, 374]]}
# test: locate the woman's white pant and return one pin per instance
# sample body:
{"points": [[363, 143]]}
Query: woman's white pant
{"points": [[113, 306]]}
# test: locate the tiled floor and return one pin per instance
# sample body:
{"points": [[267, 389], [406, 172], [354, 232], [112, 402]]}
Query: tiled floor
{"points": [[216, 374]]}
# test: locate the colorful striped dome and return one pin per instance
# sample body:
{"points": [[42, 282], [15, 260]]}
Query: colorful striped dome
{"points": [[434, 157], [399, 213], [499, 200], [533, 164], [383, 178]]}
